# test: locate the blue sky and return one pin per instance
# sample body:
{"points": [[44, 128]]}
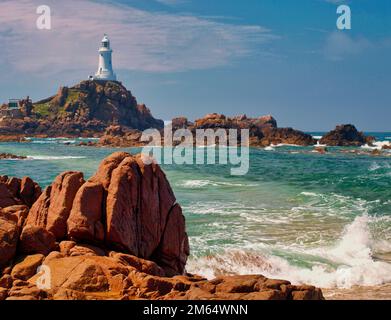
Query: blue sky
{"points": [[192, 57]]}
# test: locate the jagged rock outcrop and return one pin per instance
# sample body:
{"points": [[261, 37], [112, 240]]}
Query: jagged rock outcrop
{"points": [[15, 191], [180, 123], [345, 135], [263, 131], [87, 109], [126, 205], [118, 235], [116, 137], [276, 136], [216, 121]]}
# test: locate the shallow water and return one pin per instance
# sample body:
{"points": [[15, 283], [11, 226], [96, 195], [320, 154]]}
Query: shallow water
{"points": [[309, 218]]}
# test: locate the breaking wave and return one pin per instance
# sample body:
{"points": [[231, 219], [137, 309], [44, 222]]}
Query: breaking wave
{"points": [[195, 184], [378, 145], [348, 263]]}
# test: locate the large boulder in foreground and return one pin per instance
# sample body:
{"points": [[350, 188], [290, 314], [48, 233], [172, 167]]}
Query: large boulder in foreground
{"points": [[345, 135], [126, 205]]}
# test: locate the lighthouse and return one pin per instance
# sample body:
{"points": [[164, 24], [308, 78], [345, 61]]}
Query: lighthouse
{"points": [[105, 69]]}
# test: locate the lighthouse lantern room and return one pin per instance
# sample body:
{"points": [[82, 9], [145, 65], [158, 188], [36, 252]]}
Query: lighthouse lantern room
{"points": [[105, 69]]}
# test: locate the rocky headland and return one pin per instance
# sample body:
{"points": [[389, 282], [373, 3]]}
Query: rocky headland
{"points": [[119, 235], [85, 109]]}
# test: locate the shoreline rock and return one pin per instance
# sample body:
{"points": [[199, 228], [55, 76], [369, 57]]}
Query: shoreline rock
{"points": [[119, 235], [12, 138], [344, 136], [10, 156]]}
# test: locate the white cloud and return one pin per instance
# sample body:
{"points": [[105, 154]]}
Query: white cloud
{"points": [[339, 46], [171, 2], [146, 41]]}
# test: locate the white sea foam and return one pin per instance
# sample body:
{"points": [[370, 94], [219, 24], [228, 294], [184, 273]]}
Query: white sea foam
{"points": [[43, 141], [378, 145], [320, 145], [310, 194], [284, 145], [317, 137], [208, 146], [350, 262], [63, 140], [269, 149], [39, 157], [194, 184], [374, 166]]}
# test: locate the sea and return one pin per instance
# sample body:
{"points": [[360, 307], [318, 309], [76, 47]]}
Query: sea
{"points": [[319, 219]]}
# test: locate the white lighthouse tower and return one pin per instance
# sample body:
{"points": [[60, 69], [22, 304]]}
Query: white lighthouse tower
{"points": [[105, 69]]}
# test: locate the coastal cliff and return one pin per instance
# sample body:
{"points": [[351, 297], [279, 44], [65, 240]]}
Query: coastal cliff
{"points": [[85, 109], [119, 235]]}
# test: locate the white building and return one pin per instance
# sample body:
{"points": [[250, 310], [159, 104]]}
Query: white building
{"points": [[105, 69]]}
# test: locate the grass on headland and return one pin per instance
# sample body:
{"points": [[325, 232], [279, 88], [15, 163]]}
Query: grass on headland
{"points": [[47, 109]]}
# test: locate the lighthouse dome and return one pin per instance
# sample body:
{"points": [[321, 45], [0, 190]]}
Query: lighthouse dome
{"points": [[105, 42]]}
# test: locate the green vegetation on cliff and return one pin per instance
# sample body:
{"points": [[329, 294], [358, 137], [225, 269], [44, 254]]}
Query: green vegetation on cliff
{"points": [[73, 96], [42, 109]]}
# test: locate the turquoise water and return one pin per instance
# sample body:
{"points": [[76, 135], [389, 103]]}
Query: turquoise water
{"points": [[298, 215]]}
